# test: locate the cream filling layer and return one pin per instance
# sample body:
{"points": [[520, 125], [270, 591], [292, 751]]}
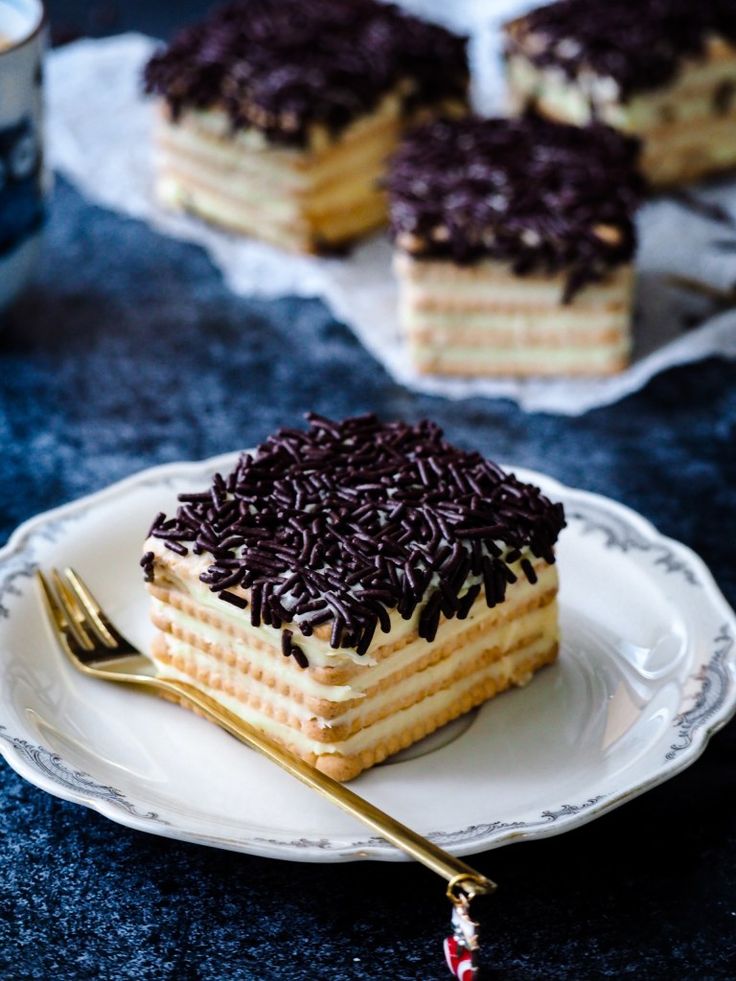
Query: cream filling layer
{"points": [[589, 355], [296, 232], [216, 124], [188, 569], [271, 662], [490, 281], [243, 194], [517, 325], [536, 623], [511, 294], [174, 188], [382, 730], [228, 160]]}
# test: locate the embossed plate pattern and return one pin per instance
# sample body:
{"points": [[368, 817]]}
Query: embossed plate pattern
{"points": [[647, 673]]}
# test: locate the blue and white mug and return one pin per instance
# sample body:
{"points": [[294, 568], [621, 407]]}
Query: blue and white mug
{"points": [[23, 179]]}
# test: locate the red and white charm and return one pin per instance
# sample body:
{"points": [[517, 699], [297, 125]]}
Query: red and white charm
{"points": [[459, 960], [461, 947]]}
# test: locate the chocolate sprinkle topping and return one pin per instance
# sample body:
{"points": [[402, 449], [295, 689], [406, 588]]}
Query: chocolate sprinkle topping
{"points": [[348, 520], [545, 196], [282, 66], [639, 45]]}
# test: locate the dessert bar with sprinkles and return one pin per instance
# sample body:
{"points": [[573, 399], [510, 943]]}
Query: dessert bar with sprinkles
{"points": [[514, 244], [276, 115], [351, 587], [664, 71]]}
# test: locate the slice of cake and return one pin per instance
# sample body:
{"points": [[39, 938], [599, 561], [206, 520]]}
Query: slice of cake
{"points": [[514, 242], [664, 71], [276, 116], [351, 588]]}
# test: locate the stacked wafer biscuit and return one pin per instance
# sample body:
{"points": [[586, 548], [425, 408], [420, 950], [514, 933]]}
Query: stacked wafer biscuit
{"points": [[482, 320], [277, 115], [663, 71], [345, 630], [302, 200], [514, 245]]}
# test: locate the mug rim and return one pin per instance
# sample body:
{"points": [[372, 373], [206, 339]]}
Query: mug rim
{"points": [[27, 38]]}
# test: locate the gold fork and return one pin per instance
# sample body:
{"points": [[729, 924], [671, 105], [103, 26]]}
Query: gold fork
{"points": [[97, 648]]}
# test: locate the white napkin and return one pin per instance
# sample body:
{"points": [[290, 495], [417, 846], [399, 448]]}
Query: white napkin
{"points": [[98, 132]]}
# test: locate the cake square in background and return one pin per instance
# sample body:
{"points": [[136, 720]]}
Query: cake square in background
{"points": [[276, 116], [664, 71], [514, 241], [351, 588]]}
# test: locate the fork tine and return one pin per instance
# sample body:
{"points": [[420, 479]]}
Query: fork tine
{"points": [[57, 617], [73, 612], [95, 617], [51, 605]]}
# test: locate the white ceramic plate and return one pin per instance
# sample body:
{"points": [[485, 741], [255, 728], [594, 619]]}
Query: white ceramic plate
{"points": [[646, 674]]}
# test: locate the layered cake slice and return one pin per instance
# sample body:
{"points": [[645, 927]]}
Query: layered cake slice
{"points": [[664, 71], [514, 241], [276, 116], [351, 588]]}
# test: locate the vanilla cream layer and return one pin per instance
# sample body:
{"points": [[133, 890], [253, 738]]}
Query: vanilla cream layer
{"points": [[295, 183], [687, 98], [541, 358], [490, 282], [540, 623], [443, 304], [294, 172], [184, 573], [216, 124], [247, 194], [380, 731], [269, 660], [459, 636], [343, 225], [558, 325]]}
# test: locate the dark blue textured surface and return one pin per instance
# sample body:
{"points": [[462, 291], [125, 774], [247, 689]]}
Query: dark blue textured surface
{"points": [[129, 352]]}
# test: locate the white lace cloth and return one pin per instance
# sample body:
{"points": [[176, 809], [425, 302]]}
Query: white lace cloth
{"points": [[98, 130]]}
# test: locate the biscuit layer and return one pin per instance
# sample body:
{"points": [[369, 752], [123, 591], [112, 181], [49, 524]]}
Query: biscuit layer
{"points": [[483, 320], [344, 713]]}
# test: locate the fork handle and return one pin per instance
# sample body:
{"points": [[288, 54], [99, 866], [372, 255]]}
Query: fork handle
{"points": [[459, 875]]}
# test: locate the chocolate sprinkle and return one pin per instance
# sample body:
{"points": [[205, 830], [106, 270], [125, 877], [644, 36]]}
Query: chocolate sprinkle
{"points": [[177, 547], [290, 649], [345, 521], [544, 196], [147, 563], [233, 599], [282, 66], [639, 45]]}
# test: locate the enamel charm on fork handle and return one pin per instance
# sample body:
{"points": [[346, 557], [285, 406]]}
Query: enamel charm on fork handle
{"points": [[461, 947]]}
